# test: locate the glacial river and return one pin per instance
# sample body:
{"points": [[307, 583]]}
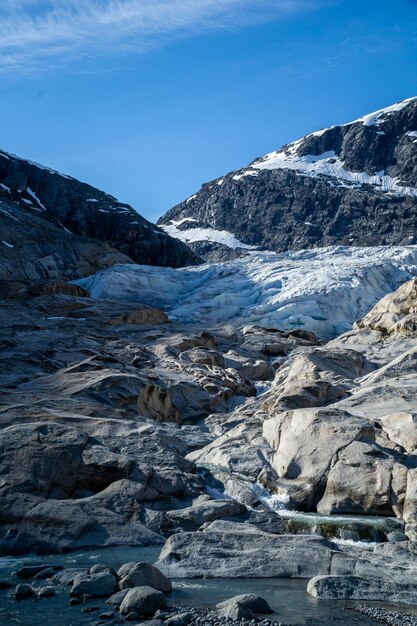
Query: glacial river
{"points": [[288, 598]]}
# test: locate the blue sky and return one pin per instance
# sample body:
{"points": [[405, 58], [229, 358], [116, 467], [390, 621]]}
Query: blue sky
{"points": [[148, 99]]}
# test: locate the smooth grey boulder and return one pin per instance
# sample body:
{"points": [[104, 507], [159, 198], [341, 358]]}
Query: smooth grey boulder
{"points": [[387, 313], [98, 568], [98, 585], [193, 517], [249, 600], [235, 611], [117, 598], [143, 600], [145, 574], [68, 575], [125, 569], [358, 588], [240, 554], [365, 479], [396, 537], [45, 573]]}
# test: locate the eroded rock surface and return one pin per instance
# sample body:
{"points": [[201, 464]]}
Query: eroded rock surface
{"points": [[137, 433]]}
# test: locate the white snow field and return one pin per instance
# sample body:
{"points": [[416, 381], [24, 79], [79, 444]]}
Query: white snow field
{"points": [[323, 290], [203, 234]]}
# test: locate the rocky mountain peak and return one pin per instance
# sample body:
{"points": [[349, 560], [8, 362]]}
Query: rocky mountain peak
{"points": [[352, 184]]}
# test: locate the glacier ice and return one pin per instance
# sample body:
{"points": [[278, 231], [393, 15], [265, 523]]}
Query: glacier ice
{"points": [[323, 290]]}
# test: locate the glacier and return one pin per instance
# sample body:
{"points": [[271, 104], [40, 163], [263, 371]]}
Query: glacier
{"points": [[323, 290]]}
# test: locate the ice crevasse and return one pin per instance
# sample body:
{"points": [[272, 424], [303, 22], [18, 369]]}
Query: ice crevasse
{"points": [[323, 290]]}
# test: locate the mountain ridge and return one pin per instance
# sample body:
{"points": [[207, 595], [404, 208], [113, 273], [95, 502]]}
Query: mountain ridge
{"points": [[54, 226], [350, 184]]}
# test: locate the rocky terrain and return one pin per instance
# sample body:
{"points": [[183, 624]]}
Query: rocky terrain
{"points": [[352, 185], [243, 451], [54, 227], [247, 420]]}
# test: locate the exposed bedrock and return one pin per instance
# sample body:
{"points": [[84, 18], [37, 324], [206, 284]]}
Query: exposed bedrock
{"points": [[55, 227], [142, 431]]}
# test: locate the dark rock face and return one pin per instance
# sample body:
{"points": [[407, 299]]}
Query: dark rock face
{"points": [[352, 185], [53, 226]]}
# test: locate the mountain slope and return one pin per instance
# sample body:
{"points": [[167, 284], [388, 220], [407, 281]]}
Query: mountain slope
{"points": [[53, 226], [354, 184]]}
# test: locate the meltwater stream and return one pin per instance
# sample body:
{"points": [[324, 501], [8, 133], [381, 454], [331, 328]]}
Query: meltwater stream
{"points": [[288, 597]]}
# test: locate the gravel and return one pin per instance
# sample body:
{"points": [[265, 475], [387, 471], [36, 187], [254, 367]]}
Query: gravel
{"points": [[387, 616]]}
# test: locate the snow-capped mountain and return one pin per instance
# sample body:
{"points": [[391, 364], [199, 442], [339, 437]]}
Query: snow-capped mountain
{"points": [[53, 226], [354, 184]]}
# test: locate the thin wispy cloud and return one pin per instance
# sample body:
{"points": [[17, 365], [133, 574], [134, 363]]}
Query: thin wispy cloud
{"points": [[47, 33]]}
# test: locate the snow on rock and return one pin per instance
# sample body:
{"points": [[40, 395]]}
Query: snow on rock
{"points": [[35, 197], [323, 290], [377, 117], [328, 164], [204, 234]]}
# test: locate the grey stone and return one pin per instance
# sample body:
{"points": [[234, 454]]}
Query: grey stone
{"points": [[358, 588], [145, 574], [96, 585], [98, 568], [249, 600], [117, 598], [235, 611], [239, 554], [143, 600]]}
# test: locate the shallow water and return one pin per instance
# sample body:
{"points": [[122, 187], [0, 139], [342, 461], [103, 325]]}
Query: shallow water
{"points": [[288, 598]]}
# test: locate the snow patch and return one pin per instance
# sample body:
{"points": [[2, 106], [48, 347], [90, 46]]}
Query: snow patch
{"points": [[35, 197], [205, 234], [245, 173], [328, 164], [375, 118]]}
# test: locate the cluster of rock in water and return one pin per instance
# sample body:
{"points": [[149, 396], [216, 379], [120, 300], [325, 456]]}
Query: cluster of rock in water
{"points": [[136, 592], [120, 428]]}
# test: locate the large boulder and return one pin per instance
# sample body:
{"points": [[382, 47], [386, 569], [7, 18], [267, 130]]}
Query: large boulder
{"points": [[249, 600], [365, 479], [240, 554], [193, 517], [143, 600], [145, 574], [96, 585], [359, 588], [395, 313], [307, 443], [235, 611]]}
